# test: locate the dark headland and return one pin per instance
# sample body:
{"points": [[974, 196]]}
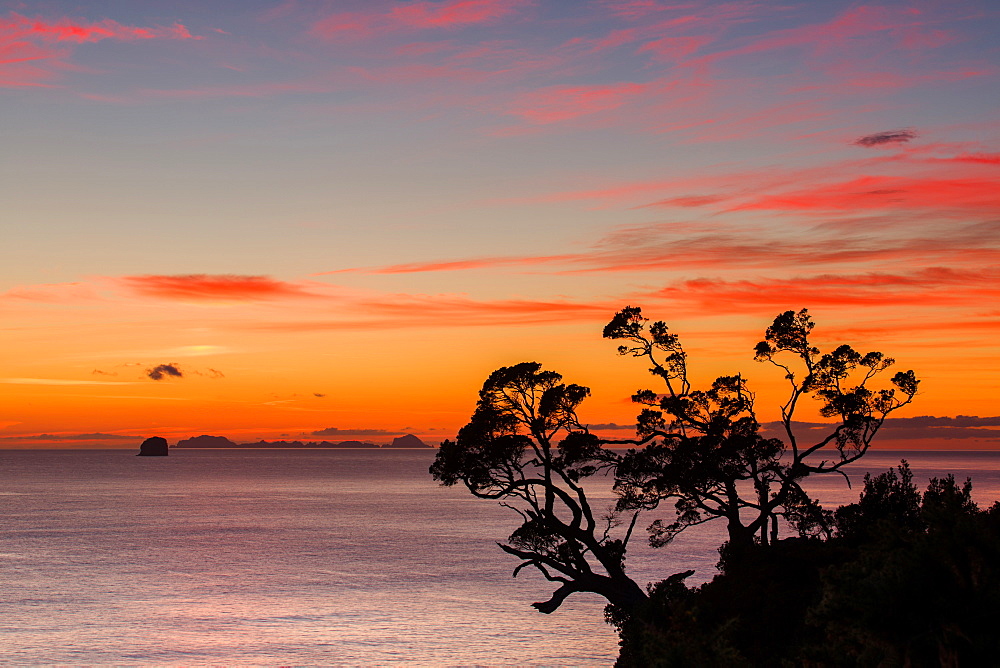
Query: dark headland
{"points": [[206, 441]]}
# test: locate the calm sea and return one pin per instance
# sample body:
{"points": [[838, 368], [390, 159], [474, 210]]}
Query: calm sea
{"points": [[309, 557]]}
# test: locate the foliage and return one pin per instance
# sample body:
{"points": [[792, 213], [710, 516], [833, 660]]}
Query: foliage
{"points": [[923, 589], [509, 451], [703, 451], [919, 585], [897, 578], [711, 460]]}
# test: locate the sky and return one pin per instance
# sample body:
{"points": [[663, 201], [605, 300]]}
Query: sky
{"points": [[307, 219]]}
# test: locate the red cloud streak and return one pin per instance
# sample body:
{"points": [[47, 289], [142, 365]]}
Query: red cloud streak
{"points": [[886, 192], [213, 287], [405, 311], [932, 286]]}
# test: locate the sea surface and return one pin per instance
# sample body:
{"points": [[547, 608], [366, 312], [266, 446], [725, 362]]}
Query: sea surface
{"points": [[305, 558]]}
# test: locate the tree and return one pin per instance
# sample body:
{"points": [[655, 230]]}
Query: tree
{"points": [[922, 587], [702, 449], [711, 459], [509, 451]]}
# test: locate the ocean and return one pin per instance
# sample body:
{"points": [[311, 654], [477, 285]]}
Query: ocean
{"points": [[305, 558]]}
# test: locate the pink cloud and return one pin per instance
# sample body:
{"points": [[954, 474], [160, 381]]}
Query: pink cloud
{"points": [[452, 13], [560, 103], [862, 50], [903, 28], [855, 77], [941, 176], [77, 31], [28, 59], [674, 48], [22, 64], [419, 15], [641, 9], [750, 122]]}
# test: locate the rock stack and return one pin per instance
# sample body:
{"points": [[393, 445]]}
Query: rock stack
{"points": [[153, 447]]}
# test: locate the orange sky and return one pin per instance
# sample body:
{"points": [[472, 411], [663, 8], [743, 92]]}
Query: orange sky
{"points": [[346, 216]]}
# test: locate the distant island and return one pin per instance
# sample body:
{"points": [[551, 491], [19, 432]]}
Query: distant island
{"points": [[154, 447], [206, 441]]}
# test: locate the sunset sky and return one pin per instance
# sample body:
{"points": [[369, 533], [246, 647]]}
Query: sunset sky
{"points": [[265, 219]]}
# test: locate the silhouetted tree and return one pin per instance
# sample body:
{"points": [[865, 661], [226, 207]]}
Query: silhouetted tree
{"points": [[525, 447], [703, 450], [511, 451]]}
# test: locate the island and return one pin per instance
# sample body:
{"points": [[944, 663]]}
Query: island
{"points": [[153, 447], [407, 441], [207, 441]]}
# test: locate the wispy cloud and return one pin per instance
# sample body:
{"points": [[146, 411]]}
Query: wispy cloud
{"points": [[417, 15], [861, 26], [667, 247], [935, 177], [451, 265], [560, 103], [212, 287], [53, 293], [95, 436], [405, 311], [60, 381], [34, 51], [926, 287], [78, 31], [868, 193]]}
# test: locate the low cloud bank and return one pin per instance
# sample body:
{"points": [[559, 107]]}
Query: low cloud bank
{"points": [[96, 436]]}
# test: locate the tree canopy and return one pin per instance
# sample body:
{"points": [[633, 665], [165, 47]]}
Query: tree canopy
{"points": [[700, 450], [703, 450], [525, 446]]}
